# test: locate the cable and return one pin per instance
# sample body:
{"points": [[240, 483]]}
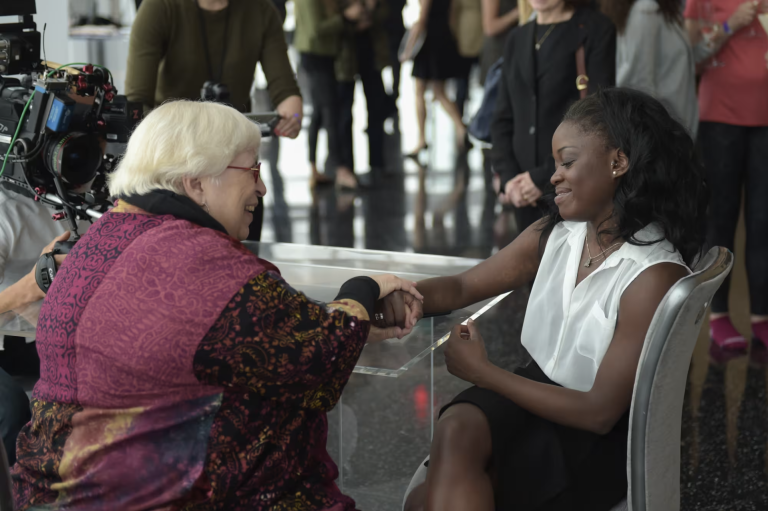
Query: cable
{"points": [[45, 55]]}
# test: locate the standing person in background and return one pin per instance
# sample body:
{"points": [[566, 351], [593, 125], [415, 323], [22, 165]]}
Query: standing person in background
{"points": [[467, 26], [499, 18], [319, 28], [364, 54], [733, 135], [177, 46], [654, 55], [538, 84], [395, 29], [437, 61]]}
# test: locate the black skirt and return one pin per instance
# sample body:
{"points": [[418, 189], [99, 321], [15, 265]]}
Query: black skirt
{"points": [[439, 57], [543, 466]]}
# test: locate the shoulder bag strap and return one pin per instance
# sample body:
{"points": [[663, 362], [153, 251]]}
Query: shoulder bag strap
{"points": [[582, 80]]}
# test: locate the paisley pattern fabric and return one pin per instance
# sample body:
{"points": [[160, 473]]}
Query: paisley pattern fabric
{"points": [[181, 372], [285, 360], [77, 279]]}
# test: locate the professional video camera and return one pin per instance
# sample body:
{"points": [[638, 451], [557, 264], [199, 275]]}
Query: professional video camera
{"points": [[62, 129]]}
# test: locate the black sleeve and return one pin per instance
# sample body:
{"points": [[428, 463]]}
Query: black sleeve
{"points": [[600, 51], [363, 290], [505, 163], [543, 173]]}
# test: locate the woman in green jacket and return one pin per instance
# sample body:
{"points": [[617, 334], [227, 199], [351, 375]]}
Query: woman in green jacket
{"points": [[319, 25]]}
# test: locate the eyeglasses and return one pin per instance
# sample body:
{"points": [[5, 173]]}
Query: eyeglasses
{"points": [[256, 170]]}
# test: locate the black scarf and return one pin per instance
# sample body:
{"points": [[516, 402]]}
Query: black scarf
{"points": [[166, 202]]}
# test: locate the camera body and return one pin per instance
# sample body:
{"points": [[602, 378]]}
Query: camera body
{"points": [[213, 91], [61, 132]]}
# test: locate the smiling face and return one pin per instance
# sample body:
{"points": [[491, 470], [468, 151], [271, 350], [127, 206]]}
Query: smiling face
{"points": [[232, 196], [584, 180]]}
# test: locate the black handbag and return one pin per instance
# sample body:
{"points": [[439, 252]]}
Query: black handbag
{"points": [[480, 127]]}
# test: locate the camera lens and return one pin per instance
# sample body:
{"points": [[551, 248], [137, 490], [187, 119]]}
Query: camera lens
{"points": [[74, 157]]}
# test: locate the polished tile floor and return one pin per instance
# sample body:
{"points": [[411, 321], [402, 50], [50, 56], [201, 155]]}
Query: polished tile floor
{"points": [[442, 207]]}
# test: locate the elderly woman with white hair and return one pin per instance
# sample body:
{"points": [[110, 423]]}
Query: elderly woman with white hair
{"points": [[178, 370]]}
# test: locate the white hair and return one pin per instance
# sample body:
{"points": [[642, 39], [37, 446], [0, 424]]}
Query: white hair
{"points": [[179, 139]]}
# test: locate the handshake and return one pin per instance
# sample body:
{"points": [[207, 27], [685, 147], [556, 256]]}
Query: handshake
{"points": [[399, 307]]}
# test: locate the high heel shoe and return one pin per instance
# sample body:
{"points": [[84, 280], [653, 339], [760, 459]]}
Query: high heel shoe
{"points": [[415, 154], [465, 144]]}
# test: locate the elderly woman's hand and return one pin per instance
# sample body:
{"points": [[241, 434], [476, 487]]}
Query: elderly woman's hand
{"points": [[390, 283], [290, 110]]}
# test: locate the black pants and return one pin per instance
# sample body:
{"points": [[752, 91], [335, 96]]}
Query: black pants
{"points": [[527, 216], [736, 160], [18, 358], [325, 104], [462, 87], [395, 35], [14, 413], [376, 99], [315, 123]]}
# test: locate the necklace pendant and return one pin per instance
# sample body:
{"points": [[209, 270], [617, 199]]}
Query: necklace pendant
{"points": [[538, 45], [588, 263]]}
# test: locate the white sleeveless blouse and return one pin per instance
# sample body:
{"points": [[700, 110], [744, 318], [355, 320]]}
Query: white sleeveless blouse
{"points": [[567, 330]]}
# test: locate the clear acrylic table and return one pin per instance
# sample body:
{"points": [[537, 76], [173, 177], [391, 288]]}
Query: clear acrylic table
{"points": [[393, 382]]}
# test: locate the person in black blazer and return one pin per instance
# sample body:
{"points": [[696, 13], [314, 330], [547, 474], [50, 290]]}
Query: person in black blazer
{"points": [[538, 84]]}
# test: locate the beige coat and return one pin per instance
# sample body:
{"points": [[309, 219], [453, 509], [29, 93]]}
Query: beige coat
{"points": [[467, 26]]}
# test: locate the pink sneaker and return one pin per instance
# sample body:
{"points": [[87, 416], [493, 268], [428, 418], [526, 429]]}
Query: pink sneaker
{"points": [[724, 334], [760, 331]]}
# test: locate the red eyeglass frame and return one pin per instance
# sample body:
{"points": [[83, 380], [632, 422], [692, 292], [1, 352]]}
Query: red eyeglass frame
{"points": [[256, 170]]}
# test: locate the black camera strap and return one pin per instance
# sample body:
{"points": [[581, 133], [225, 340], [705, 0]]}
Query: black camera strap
{"points": [[216, 79]]}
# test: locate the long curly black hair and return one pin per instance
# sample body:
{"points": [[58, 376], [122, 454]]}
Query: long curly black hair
{"points": [[665, 181]]}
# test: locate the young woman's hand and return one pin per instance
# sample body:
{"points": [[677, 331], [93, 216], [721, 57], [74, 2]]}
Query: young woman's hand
{"points": [[743, 16], [398, 309], [465, 355]]}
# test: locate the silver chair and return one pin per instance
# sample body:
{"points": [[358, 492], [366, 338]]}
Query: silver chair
{"points": [[653, 446], [6, 496]]}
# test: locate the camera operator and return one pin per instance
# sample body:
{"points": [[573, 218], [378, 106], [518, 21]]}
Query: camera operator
{"points": [[25, 227], [177, 46]]}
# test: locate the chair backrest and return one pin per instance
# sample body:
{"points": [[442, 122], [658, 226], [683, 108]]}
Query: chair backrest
{"points": [[653, 461], [6, 496]]}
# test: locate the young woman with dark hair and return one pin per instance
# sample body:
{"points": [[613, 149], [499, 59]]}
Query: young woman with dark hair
{"points": [[654, 55], [626, 221]]}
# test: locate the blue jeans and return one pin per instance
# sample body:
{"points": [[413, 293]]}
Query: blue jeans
{"points": [[14, 413]]}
